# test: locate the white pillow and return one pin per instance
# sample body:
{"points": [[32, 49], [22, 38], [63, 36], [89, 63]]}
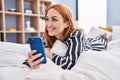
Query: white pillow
{"points": [[22, 49], [59, 48], [94, 32], [11, 58], [13, 73], [114, 47], [116, 32]]}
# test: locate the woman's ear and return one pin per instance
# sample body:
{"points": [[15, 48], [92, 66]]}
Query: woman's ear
{"points": [[66, 24]]}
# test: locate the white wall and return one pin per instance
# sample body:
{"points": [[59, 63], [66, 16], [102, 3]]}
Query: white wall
{"points": [[92, 13], [68, 3], [113, 13]]}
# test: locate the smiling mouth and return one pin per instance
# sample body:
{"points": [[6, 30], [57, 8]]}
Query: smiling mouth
{"points": [[51, 29]]}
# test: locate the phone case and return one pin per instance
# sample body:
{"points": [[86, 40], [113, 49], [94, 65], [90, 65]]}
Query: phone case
{"points": [[36, 43]]}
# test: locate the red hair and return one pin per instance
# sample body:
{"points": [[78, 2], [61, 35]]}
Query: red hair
{"points": [[67, 17]]}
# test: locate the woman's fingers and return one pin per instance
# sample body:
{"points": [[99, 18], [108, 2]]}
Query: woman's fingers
{"points": [[105, 36], [31, 59], [36, 63], [34, 57], [36, 67], [31, 53]]}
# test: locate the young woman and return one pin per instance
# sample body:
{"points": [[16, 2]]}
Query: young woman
{"points": [[59, 26]]}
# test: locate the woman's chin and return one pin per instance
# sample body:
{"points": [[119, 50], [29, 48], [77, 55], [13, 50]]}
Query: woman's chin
{"points": [[51, 34]]}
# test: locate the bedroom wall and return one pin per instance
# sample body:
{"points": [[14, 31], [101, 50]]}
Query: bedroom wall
{"points": [[69, 3], [113, 13], [113, 10]]}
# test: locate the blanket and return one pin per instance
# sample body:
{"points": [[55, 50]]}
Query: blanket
{"points": [[91, 65]]}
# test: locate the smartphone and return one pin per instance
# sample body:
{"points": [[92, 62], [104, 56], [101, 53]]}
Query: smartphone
{"points": [[36, 43]]}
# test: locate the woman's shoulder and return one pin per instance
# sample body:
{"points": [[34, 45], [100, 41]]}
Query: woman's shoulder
{"points": [[76, 32]]}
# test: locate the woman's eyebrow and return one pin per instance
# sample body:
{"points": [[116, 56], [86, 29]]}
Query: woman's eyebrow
{"points": [[55, 17]]}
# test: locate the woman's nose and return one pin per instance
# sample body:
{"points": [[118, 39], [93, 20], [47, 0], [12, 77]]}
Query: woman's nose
{"points": [[48, 23]]}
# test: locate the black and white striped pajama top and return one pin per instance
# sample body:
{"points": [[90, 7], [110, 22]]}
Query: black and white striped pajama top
{"points": [[76, 44]]}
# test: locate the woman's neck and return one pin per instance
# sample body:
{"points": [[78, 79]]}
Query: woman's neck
{"points": [[61, 38]]}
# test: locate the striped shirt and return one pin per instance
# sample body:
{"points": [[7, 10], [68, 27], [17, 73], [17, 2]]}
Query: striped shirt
{"points": [[97, 44], [76, 44]]}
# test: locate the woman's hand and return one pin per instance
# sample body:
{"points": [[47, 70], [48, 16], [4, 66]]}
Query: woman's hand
{"points": [[34, 64], [48, 53], [105, 36]]}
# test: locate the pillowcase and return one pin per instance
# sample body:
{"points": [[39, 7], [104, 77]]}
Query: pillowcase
{"points": [[94, 32], [114, 47], [116, 32], [11, 58], [13, 73], [59, 48], [22, 49]]}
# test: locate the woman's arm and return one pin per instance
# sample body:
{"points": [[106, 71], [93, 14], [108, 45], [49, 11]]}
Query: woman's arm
{"points": [[98, 44], [76, 44]]}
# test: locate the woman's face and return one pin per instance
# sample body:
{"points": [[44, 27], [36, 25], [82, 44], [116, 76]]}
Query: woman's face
{"points": [[54, 24]]}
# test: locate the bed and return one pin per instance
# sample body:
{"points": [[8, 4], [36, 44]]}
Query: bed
{"points": [[92, 65]]}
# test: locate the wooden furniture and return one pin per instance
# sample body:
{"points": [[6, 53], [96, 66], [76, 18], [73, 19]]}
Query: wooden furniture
{"points": [[13, 17]]}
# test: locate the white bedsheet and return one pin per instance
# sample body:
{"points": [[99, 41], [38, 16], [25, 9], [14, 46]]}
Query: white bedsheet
{"points": [[13, 73], [92, 65]]}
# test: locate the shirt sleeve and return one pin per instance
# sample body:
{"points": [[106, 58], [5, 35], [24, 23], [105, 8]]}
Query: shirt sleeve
{"points": [[75, 45], [97, 44]]}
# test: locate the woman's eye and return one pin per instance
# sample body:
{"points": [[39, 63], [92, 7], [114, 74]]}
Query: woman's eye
{"points": [[46, 19], [54, 20]]}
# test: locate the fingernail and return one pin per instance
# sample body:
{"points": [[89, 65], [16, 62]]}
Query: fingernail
{"points": [[34, 50], [39, 54], [42, 58]]}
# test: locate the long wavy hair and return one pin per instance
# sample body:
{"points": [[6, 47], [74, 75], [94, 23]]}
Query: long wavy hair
{"points": [[67, 17]]}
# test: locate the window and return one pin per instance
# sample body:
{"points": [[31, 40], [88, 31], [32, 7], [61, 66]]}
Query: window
{"points": [[92, 13]]}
